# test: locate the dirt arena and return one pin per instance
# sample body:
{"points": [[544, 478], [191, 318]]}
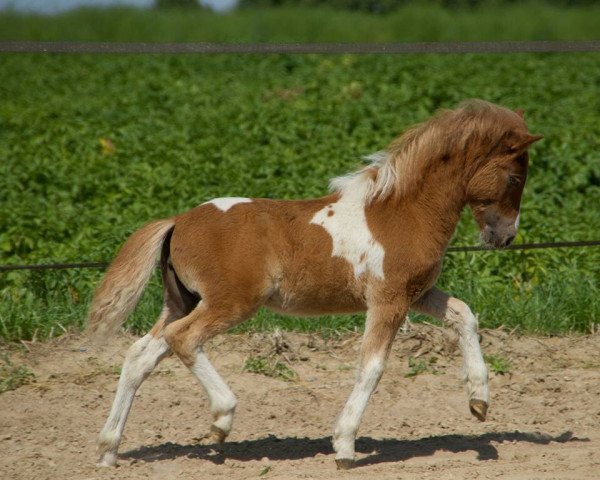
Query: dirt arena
{"points": [[543, 423]]}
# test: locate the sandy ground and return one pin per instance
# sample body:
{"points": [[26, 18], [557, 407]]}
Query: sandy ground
{"points": [[544, 421]]}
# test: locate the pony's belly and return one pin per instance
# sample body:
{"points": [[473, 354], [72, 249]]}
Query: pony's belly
{"points": [[319, 303]]}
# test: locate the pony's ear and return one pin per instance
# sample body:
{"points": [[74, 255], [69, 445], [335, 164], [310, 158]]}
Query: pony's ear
{"points": [[519, 141], [520, 112]]}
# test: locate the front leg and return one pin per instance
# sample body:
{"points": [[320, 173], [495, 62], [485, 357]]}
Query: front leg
{"points": [[380, 330], [458, 315]]}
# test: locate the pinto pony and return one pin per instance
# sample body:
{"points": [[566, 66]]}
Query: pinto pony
{"points": [[374, 244]]}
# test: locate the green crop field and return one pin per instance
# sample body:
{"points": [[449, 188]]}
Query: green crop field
{"points": [[94, 146]]}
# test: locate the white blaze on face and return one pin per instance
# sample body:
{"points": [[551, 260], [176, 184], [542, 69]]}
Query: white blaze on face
{"points": [[517, 221], [226, 203], [346, 222]]}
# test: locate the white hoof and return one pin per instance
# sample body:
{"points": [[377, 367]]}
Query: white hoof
{"points": [[108, 459]]}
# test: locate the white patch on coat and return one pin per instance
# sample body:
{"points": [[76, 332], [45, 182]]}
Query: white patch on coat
{"points": [[518, 221], [226, 203], [346, 222]]}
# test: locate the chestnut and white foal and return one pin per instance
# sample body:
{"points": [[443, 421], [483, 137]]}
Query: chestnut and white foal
{"points": [[375, 244]]}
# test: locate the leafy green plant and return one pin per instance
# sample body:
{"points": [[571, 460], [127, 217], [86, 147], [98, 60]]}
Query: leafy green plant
{"points": [[270, 368], [264, 470], [12, 376], [498, 364], [421, 366]]}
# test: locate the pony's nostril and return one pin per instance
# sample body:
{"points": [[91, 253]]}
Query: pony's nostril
{"points": [[508, 241]]}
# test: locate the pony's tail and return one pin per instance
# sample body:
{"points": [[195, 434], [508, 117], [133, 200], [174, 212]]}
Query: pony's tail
{"points": [[125, 279]]}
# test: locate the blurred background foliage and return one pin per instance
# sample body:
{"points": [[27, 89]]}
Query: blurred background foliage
{"points": [[387, 6], [314, 21], [94, 146]]}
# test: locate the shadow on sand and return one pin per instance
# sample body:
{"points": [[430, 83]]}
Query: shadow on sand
{"points": [[387, 450]]}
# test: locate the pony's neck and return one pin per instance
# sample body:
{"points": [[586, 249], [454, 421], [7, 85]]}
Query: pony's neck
{"points": [[442, 197], [433, 208]]}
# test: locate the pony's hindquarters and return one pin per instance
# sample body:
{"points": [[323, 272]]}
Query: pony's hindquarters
{"points": [[125, 279], [190, 316]]}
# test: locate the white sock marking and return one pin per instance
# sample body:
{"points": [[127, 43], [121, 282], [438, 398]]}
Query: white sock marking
{"points": [[459, 315], [346, 223], [349, 420], [226, 203], [141, 359], [222, 400]]}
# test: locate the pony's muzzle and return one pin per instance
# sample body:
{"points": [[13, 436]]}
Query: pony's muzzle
{"points": [[498, 237]]}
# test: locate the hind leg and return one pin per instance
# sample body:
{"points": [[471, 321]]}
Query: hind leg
{"points": [[458, 315], [142, 357], [186, 338], [221, 398]]}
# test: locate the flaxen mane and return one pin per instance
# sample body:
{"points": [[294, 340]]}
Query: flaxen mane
{"points": [[396, 170]]}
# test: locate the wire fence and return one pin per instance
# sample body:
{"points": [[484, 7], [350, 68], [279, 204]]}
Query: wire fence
{"points": [[317, 48], [472, 248]]}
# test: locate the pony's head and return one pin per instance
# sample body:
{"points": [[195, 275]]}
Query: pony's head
{"points": [[494, 190], [480, 148]]}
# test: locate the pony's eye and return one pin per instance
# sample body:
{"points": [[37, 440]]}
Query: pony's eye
{"points": [[513, 181]]}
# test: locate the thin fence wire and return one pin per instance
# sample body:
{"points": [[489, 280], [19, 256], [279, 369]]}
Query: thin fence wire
{"points": [[287, 48], [53, 266], [472, 248]]}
